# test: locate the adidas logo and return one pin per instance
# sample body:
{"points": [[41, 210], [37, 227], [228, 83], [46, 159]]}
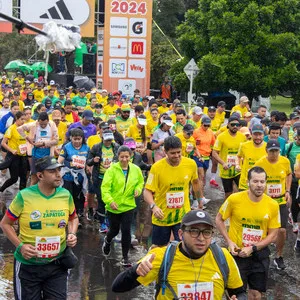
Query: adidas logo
{"points": [[216, 276], [266, 216], [58, 12]]}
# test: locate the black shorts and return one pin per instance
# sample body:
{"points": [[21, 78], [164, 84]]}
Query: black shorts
{"points": [[283, 215], [227, 183], [254, 270]]}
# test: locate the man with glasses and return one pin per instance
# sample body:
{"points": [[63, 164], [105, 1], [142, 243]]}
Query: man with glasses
{"points": [[225, 152], [254, 222], [123, 121], [194, 271]]}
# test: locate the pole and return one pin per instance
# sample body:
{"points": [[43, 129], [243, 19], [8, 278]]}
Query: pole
{"points": [[191, 90]]}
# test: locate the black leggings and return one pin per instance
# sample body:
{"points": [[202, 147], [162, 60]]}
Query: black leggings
{"points": [[295, 209], [124, 221], [17, 166], [76, 192]]}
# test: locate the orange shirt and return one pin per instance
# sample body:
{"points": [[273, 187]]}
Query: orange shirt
{"points": [[204, 140]]}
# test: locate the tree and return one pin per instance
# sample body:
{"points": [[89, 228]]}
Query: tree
{"points": [[249, 46]]}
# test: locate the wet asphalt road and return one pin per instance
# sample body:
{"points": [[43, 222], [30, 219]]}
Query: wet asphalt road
{"points": [[92, 277]]}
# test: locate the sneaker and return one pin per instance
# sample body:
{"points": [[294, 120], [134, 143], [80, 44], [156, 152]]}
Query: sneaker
{"points": [[103, 228], [126, 263], [134, 240], [205, 201], [290, 219], [213, 183], [90, 215], [279, 263], [118, 238], [295, 227], [297, 246], [106, 247], [195, 205]]}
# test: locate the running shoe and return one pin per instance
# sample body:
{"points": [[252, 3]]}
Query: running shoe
{"points": [[297, 246], [134, 240], [213, 183], [90, 214], [126, 263], [103, 228], [195, 205], [290, 219], [106, 247], [279, 263], [295, 227], [118, 238], [205, 200]]}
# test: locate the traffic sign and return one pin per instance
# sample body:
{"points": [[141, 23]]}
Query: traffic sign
{"points": [[191, 69]]}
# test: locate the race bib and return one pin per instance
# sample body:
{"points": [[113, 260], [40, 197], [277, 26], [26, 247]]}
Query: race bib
{"points": [[251, 236], [232, 160], [23, 148], [189, 147], [78, 161], [199, 291], [112, 116], [107, 162], [175, 200], [47, 246], [139, 145], [274, 190]]}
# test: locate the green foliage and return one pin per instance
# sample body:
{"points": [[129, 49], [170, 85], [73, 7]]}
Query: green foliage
{"points": [[249, 46]]}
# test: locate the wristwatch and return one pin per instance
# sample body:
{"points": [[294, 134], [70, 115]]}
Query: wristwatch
{"points": [[152, 205], [254, 249]]}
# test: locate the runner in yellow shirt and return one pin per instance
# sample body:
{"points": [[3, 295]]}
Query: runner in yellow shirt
{"points": [[254, 222], [249, 153], [111, 108], [38, 93], [225, 152], [279, 180], [164, 107], [243, 107]]}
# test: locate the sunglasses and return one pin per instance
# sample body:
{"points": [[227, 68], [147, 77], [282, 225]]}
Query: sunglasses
{"points": [[234, 124], [206, 125]]}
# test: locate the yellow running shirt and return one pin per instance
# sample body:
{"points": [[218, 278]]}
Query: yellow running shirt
{"points": [[15, 140], [170, 186], [110, 111], [93, 140], [188, 145], [249, 221], [250, 155], [276, 177], [228, 147], [182, 275]]}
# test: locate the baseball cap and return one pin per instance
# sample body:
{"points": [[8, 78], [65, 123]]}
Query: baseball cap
{"points": [[45, 88], [168, 121], [4, 77], [188, 128], [56, 115], [197, 217], [61, 93], [125, 107], [211, 108], [82, 90], [164, 100], [142, 120], [35, 80], [107, 135], [130, 143], [124, 96], [104, 125], [244, 99], [98, 105], [257, 128], [27, 81], [88, 114], [110, 96], [294, 115], [221, 103], [206, 120], [93, 91], [115, 93], [16, 93], [296, 125], [29, 94], [178, 105], [104, 91], [46, 163], [233, 118], [273, 145], [52, 82], [197, 110]]}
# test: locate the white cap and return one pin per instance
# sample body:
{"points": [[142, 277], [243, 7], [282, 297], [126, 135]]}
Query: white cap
{"points": [[52, 82], [197, 110], [168, 123], [35, 80], [108, 136], [142, 121], [104, 91]]}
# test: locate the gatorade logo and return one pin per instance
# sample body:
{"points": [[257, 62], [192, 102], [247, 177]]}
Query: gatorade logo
{"points": [[137, 27]]}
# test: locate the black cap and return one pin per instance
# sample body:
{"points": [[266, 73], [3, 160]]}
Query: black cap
{"points": [[98, 105], [273, 145], [197, 217], [46, 163], [178, 105], [110, 96], [188, 128], [294, 115], [205, 120], [221, 103], [16, 93], [211, 108], [233, 118], [82, 90], [88, 114], [104, 125]]}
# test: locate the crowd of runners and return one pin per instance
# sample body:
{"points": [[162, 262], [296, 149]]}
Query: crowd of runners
{"points": [[117, 151]]}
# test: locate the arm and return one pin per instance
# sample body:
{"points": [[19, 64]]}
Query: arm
{"points": [[155, 145], [60, 159], [6, 147], [220, 224], [288, 183], [197, 191], [54, 138], [148, 197], [93, 158], [72, 230], [126, 281], [217, 157]]}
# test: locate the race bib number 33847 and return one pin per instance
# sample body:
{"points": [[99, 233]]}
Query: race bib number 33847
{"points": [[199, 291]]}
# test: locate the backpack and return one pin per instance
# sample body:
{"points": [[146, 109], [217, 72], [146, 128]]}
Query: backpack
{"points": [[162, 282]]}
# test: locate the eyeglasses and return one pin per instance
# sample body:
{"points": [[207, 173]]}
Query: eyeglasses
{"points": [[206, 125], [235, 124], [195, 232]]}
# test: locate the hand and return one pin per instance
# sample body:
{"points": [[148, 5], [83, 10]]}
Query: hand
{"points": [[14, 152], [157, 212], [71, 240], [136, 193], [114, 206], [233, 248], [288, 199], [225, 166], [29, 140], [28, 251], [246, 251], [145, 265], [39, 144], [233, 297], [96, 159], [238, 168]]}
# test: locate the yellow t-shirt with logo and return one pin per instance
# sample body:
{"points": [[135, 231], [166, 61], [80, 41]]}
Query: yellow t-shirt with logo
{"points": [[276, 177], [297, 165], [136, 133], [215, 125], [162, 110], [249, 221], [151, 124], [110, 111], [123, 125], [182, 275], [38, 95], [170, 186], [241, 110], [62, 130], [250, 155], [93, 140], [107, 158], [15, 140], [188, 145], [228, 147]]}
